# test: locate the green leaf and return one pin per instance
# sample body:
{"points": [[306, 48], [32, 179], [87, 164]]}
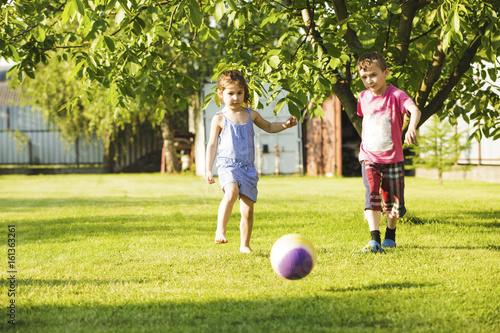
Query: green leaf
{"points": [[446, 41], [214, 34], [195, 17], [274, 61], [75, 70], [40, 34], [110, 43], [456, 21], [203, 34], [124, 5], [394, 8], [120, 16], [266, 68], [492, 73], [332, 50], [134, 68], [164, 34], [293, 110], [14, 54], [232, 4], [97, 44], [208, 98], [69, 12], [239, 21], [335, 63], [431, 17], [255, 100], [279, 106], [367, 36], [79, 7], [495, 40], [220, 9]]}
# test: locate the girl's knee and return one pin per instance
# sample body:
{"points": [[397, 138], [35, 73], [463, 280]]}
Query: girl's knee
{"points": [[231, 192], [247, 212]]}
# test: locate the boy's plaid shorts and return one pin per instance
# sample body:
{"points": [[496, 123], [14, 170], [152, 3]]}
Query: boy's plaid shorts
{"points": [[384, 182]]}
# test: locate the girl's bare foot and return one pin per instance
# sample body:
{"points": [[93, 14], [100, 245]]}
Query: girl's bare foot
{"points": [[220, 238], [245, 249]]}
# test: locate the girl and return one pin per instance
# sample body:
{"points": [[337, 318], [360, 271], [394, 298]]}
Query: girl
{"points": [[235, 163]]}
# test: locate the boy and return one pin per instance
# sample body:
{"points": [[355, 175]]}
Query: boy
{"points": [[382, 107]]}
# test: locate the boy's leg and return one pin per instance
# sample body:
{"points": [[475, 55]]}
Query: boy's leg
{"points": [[393, 194], [390, 232], [246, 224], [373, 208], [231, 192], [373, 218]]}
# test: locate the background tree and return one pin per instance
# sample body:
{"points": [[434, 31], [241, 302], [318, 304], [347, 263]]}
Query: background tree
{"points": [[430, 46], [119, 46], [438, 147]]}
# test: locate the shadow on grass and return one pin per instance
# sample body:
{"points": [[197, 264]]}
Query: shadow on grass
{"points": [[333, 313], [479, 218], [172, 217], [383, 286], [72, 228], [491, 247], [13, 205]]}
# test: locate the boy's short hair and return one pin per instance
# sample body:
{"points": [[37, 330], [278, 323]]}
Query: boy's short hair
{"points": [[369, 59], [232, 76]]}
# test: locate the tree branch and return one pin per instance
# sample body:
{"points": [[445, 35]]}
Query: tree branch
{"points": [[36, 25], [408, 10], [388, 31], [431, 77], [343, 91], [425, 33], [342, 14], [462, 66], [308, 18]]}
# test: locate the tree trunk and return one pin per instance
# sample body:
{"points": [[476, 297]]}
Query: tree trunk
{"points": [[172, 164], [350, 104], [108, 164]]}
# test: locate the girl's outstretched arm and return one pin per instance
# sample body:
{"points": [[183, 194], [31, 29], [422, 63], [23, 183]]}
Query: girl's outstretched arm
{"points": [[215, 128], [273, 127]]}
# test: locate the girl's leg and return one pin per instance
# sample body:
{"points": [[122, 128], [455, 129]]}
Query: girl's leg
{"points": [[246, 224], [231, 192]]}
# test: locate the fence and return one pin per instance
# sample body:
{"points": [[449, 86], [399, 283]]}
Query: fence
{"points": [[27, 138]]}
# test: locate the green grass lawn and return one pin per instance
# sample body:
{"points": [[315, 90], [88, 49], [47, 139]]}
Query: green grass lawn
{"points": [[135, 253]]}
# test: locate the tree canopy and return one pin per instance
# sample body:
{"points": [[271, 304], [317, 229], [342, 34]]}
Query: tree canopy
{"points": [[441, 52]]}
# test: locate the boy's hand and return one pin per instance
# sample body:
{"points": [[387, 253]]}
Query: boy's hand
{"points": [[292, 121], [411, 136]]}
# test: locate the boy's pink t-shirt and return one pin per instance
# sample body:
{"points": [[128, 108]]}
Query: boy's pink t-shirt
{"points": [[383, 117]]}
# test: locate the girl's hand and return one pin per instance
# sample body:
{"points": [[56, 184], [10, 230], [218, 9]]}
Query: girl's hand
{"points": [[292, 121], [209, 177]]}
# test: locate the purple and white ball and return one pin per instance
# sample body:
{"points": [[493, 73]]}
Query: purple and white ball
{"points": [[293, 256]]}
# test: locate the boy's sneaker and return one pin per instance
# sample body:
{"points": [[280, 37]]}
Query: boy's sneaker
{"points": [[388, 243], [373, 246]]}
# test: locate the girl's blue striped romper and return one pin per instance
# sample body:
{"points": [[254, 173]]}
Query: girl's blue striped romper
{"points": [[235, 162]]}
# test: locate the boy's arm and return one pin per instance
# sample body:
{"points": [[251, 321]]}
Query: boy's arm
{"points": [[215, 129], [273, 127], [411, 133]]}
